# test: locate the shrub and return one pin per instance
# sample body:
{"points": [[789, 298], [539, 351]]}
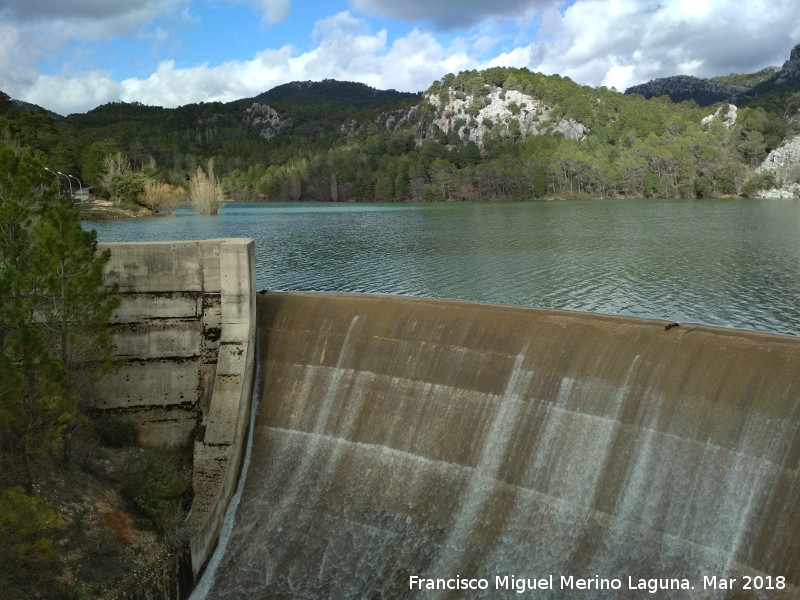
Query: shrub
{"points": [[703, 187], [72, 592], [117, 433], [127, 188], [115, 530], [205, 190], [25, 525], [761, 181], [158, 485], [162, 197]]}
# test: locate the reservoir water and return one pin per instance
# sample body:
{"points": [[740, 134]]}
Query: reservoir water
{"points": [[732, 263]]}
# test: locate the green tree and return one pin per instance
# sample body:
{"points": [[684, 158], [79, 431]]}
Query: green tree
{"points": [[75, 306], [128, 187], [35, 403], [540, 181], [55, 310]]}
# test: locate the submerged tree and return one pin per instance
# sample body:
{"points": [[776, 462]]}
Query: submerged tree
{"points": [[205, 190], [162, 197]]}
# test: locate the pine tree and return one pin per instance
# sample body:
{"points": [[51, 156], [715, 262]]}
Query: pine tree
{"points": [[54, 312]]}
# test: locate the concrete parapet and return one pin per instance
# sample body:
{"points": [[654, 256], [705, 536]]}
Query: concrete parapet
{"points": [[219, 453], [184, 332]]}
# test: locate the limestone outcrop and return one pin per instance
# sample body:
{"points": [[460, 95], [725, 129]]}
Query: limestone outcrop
{"points": [[497, 112], [784, 163], [265, 119], [727, 114], [790, 69]]}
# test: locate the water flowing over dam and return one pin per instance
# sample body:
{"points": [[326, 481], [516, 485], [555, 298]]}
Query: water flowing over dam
{"points": [[400, 437]]}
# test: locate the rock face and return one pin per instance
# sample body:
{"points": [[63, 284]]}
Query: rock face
{"points": [[685, 87], [265, 119], [707, 92], [784, 162], [727, 114], [498, 112], [352, 128], [790, 69]]}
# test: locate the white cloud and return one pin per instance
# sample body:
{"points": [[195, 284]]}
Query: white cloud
{"points": [[66, 94], [346, 49], [274, 10], [271, 11], [11, 39], [37, 30], [619, 77], [518, 57], [595, 42], [414, 62]]}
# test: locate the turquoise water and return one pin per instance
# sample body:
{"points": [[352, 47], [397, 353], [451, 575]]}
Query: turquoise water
{"points": [[733, 263]]}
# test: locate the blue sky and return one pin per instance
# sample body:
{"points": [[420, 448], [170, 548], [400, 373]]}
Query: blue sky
{"points": [[73, 56]]}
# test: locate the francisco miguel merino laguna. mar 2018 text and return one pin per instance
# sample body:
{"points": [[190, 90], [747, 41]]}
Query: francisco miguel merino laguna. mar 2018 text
{"points": [[650, 585]]}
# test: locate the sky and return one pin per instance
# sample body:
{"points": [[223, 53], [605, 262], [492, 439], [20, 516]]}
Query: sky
{"points": [[71, 56]]}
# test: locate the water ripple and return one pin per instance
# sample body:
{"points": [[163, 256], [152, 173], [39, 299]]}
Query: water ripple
{"points": [[733, 263]]}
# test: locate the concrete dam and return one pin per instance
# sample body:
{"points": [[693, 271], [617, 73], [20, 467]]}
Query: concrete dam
{"points": [[415, 448]]}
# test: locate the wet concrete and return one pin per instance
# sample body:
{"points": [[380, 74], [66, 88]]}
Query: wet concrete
{"points": [[401, 437]]}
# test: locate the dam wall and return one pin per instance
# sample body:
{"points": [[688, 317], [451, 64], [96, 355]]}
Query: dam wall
{"points": [[184, 335], [401, 437]]}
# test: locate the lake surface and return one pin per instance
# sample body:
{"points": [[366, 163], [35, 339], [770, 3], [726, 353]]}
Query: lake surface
{"points": [[732, 263]]}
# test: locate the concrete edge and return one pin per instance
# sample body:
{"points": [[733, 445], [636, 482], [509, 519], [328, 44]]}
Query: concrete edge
{"points": [[223, 447]]}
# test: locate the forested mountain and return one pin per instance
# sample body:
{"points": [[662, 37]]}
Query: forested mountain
{"points": [[769, 88], [747, 80], [679, 88], [779, 92], [331, 91], [497, 134]]}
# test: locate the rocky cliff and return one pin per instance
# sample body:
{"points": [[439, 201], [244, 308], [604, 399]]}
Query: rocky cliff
{"points": [[265, 120], [790, 71], [495, 111], [707, 92], [685, 87], [784, 163]]}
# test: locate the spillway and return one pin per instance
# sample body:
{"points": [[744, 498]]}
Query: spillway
{"points": [[401, 437]]}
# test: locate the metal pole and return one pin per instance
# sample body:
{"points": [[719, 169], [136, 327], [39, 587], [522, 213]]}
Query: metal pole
{"points": [[80, 186], [58, 181], [69, 181]]}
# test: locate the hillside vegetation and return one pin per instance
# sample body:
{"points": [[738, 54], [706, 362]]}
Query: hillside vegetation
{"points": [[498, 134], [746, 79], [84, 512]]}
